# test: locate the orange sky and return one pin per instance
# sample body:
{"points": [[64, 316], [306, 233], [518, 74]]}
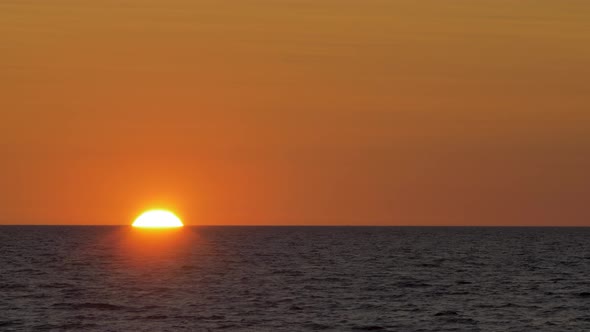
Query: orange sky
{"points": [[397, 112]]}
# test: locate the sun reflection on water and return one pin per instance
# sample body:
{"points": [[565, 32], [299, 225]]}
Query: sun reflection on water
{"points": [[156, 246]]}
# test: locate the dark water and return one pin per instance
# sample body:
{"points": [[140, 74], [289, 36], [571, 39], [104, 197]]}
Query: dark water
{"points": [[294, 279]]}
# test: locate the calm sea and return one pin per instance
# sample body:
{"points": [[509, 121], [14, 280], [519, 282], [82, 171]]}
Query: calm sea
{"points": [[294, 279]]}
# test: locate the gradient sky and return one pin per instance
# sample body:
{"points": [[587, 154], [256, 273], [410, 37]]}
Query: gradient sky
{"points": [[349, 112]]}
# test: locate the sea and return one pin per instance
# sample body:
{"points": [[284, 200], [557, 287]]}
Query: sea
{"points": [[55, 278]]}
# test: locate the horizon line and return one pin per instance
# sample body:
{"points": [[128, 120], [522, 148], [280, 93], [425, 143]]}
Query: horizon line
{"points": [[305, 225]]}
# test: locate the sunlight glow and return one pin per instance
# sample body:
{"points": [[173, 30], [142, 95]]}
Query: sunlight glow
{"points": [[157, 219]]}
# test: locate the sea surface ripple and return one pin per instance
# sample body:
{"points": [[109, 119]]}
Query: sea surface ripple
{"points": [[294, 279]]}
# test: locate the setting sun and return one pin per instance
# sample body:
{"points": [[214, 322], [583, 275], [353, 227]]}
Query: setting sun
{"points": [[157, 219]]}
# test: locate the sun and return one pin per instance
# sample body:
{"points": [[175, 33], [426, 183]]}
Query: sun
{"points": [[157, 219]]}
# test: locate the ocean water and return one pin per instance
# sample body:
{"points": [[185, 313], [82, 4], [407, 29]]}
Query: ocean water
{"points": [[294, 279]]}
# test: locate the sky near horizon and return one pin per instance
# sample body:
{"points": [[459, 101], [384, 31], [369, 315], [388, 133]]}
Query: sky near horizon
{"points": [[323, 112]]}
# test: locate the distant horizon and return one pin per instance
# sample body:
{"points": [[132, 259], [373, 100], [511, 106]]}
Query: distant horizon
{"points": [[309, 225]]}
